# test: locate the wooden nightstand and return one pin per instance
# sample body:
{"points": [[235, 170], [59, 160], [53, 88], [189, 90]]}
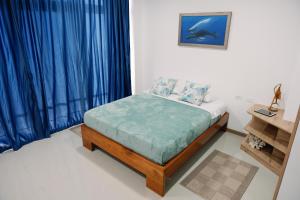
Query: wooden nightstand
{"points": [[275, 132]]}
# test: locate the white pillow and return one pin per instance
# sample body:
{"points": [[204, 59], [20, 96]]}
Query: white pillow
{"points": [[180, 84], [208, 98]]}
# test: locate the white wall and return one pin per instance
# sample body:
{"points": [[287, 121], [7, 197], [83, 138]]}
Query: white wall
{"points": [[290, 184], [263, 42], [289, 189], [132, 47], [293, 95], [137, 40]]}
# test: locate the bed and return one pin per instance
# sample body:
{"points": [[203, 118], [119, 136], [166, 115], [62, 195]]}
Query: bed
{"points": [[152, 134]]}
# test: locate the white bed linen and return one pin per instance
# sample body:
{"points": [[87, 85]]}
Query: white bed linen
{"points": [[216, 108]]}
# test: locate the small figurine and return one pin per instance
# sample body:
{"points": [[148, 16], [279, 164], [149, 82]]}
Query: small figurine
{"points": [[277, 96]]}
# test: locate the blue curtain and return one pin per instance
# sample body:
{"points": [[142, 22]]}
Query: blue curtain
{"points": [[59, 58]]}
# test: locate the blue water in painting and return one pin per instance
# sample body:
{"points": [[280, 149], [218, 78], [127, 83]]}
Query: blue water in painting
{"points": [[208, 30]]}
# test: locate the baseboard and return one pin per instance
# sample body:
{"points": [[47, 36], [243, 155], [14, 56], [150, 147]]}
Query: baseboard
{"points": [[239, 133]]}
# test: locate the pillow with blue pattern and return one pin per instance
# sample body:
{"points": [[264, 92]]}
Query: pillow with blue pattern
{"points": [[191, 84], [163, 86], [194, 93]]}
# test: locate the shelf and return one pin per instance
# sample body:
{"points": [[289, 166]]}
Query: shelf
{"points": [[275, 132], [264, 156], [268, 133], [276, 120]]}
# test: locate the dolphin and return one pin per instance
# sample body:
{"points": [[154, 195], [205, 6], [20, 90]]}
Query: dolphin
{"points": [[201, 34], [202, 24]]}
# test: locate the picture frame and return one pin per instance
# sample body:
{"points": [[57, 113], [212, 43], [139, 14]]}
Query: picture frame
{"points": [[210, 30]]}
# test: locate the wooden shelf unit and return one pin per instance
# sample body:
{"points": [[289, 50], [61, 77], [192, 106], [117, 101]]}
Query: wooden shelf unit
{"points": [[264, 156], [275, 132]]}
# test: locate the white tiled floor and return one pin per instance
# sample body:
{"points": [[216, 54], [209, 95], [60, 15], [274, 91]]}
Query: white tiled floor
{"points": [[59, 168]]}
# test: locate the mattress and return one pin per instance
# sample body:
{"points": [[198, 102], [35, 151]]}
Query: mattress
{"points": [[152, 126], [216, 108]]}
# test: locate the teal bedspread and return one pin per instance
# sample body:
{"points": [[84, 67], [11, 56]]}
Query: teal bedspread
{"points": [[154, 127]]}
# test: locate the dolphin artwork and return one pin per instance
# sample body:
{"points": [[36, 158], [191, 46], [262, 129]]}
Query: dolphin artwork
{"points": [[201, 35], [200, 29]]}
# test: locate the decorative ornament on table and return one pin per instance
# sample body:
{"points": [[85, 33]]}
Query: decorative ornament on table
{"points": [[277, 96], [255, 142]]}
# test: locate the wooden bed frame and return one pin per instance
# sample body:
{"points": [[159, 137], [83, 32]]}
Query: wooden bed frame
{"points": [[155, 174]]}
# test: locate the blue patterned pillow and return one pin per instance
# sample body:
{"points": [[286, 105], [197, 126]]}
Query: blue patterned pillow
{"points": [[163, 86], [194, 93], [190, 84]]}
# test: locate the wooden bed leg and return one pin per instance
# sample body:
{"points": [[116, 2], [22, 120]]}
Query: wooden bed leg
{"points": [[224, 128], [86, 135], [156, 183], [87, 144]]}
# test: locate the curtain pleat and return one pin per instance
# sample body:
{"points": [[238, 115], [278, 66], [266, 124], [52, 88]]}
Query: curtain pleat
{"points": [[58, 59]]}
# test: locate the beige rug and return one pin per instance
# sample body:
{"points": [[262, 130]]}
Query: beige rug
{"points": [[220, 177]]}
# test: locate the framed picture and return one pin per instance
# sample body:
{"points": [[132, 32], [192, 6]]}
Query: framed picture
{"points": [[204, 29]]}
